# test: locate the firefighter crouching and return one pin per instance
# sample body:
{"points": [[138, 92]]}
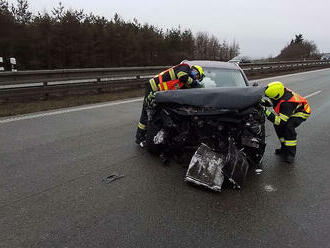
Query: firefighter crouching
{"points": [[181, 76], [291, 110]]}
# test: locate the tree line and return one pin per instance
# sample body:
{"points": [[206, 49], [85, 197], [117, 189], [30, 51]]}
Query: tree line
{"points": [[299, 49], [73, 39]]}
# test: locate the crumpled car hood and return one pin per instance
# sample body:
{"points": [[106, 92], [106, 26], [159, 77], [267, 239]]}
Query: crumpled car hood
{"points": [[227, 97]]}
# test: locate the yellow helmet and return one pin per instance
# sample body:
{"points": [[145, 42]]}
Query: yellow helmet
{"points": [[200, 71], [275, 90]]}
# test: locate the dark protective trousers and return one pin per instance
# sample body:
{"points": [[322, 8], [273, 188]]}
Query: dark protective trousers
{"points": [[142, 126], [288, 136]]}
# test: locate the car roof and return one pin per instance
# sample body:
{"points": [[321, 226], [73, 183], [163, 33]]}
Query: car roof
{"points": [[215, 64]]}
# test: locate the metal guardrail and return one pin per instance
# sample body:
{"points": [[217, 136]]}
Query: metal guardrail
{"points": [[42, 76], [44, 82], [283, 66]]}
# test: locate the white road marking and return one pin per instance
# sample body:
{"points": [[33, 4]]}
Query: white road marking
{"points": [[288, 75], [32, 116], [313, 94], [94, 106]]}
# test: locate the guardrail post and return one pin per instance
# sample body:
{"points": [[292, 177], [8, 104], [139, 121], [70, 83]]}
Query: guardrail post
{"points": [[2, 67], [99, 89], [46, 95], [13, 64], [141, 85]]}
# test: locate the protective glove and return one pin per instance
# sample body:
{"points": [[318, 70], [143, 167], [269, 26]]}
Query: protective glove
{"points": [[197, 84], [265, 101], [150, 99], [183, 79], [267, 112]]}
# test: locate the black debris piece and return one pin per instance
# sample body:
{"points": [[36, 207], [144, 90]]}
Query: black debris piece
{"points": [[113, 177]]}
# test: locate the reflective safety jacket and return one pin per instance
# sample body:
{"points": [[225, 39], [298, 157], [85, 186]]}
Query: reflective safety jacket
{"points": [[174, 78], [289, 105]]}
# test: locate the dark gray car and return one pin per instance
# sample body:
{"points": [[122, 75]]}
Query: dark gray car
{"points": [[222, 124]]}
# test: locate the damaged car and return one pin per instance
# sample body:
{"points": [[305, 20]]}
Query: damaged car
{"points": [[219, 130]]}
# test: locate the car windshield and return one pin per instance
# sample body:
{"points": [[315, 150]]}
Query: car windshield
{"points": [[218, 77]]}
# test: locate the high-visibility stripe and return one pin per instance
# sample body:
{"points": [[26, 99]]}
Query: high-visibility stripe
{"points": [[284, 117], [165, 86], [141, 126], [172, 74], [162, 86], [307, 108], [277, 120], [282, 140], [190, 80], [160, 78], [181, 73], [153, 84], [290, 143], [296, 97], [301, 115]]}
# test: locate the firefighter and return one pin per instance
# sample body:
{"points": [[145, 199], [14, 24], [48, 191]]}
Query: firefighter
{"points": [[291, 110], [181, 76]]}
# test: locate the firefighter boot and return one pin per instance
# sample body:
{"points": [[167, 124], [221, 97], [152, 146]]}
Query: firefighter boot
{"points": [[280, 151], [290, 154], [289, 159]]}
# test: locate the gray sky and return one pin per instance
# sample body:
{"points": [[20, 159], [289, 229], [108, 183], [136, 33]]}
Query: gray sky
{"points": [[261, 27]]}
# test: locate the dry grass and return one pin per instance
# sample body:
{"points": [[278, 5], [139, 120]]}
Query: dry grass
{"points": [[17, 108]]}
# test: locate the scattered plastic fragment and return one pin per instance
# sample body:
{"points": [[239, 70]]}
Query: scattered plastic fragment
{"points": [[111, 178], [143, 144], [270, 188], [160, 137]]}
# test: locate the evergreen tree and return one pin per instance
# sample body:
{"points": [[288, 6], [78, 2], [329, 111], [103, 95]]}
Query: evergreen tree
{"points": [[72, 39], [299, 49]]}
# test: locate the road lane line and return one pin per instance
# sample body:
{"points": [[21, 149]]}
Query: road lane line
{"points": [[287, 75], [27, 117], [313, 94]]}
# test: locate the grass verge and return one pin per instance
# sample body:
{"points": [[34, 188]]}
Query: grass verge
{"points": [[17, 108]]}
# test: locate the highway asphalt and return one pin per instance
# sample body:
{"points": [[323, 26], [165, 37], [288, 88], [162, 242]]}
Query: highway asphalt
{"points": [[53, 191]]}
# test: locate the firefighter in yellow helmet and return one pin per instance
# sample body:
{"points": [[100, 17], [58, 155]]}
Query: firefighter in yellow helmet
{"points": [[290, 110], [181, 76]]}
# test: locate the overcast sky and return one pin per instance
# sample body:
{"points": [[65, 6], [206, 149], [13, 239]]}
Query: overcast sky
{"points": [[261, 27]]}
